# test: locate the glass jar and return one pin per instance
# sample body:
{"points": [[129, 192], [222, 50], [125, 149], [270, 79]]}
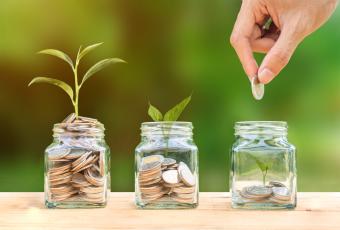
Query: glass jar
{"points": [[263, 171], [77, 166], [166, 166]]}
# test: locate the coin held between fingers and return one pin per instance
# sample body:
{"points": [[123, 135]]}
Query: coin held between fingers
{"points": [[257, 88]]}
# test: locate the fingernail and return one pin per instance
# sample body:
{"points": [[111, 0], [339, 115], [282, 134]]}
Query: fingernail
{"points": [[265, 76], [250, 77]]}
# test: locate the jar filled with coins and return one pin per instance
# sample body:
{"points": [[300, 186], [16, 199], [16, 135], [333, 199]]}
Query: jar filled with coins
{"points": [[166, 166], [77, 173], [263, 170]]}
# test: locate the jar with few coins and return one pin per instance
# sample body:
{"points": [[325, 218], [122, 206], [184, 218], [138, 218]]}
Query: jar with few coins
{"points": [[166, 166], [77, 165], [263, 166]]}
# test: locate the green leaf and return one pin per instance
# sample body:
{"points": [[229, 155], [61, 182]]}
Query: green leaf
{"points": [[154, 113], [100, 65], [59, 54], [174, 113], [64, 86], [87, 50], [262, 164], [79, 50]]}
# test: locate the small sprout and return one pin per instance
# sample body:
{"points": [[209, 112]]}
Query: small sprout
{"points": [[264, 166], [74, 94], [172, 115]]}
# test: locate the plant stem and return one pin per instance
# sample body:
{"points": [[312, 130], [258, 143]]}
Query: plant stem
{"points": [[264, 173], [76, 86], [166, 137]]}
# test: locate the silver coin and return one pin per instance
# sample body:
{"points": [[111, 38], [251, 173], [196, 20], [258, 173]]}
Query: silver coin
{"points": [[257, 88], [170, 177], [259, 190], [57, 154], [276, 184], [168, 162], [152, 158], [186, 175], [150, 166], [75, 153], [246, 195], [281, 193]]}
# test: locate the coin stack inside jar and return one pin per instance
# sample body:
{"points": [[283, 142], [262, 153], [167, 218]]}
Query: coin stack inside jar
{"points": [[160, 178], [76, 172], [275, 192]]}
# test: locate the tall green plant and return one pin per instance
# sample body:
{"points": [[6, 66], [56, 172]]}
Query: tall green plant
{"points": [[74, 93]]}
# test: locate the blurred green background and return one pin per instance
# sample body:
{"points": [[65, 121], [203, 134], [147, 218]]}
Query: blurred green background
{"points": [[173, 48]]}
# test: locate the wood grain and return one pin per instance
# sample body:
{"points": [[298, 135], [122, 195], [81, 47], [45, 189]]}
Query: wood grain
{"points": [[319, 211]]}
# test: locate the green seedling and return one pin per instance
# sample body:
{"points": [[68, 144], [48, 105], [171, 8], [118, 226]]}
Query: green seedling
{"points": [[172, 115], [74, 93], [264, 166]]}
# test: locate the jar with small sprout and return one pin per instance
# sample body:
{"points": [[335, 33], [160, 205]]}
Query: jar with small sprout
{"points": [[166, 162], [263, 166]]}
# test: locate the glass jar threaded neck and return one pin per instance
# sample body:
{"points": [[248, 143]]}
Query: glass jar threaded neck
{"points": [[89, 130], [278, 128], [166, 128]]}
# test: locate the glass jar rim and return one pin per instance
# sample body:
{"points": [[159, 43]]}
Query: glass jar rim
{"points": [[261, 127], [84, 129], [166, 128], [167, 122]]}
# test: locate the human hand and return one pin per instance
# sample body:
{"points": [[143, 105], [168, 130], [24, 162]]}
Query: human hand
{"points": [[293, 20]]}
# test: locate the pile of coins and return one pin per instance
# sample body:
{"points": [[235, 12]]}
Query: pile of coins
{"points": [[76, 173], [162, 178], [275, 192]]}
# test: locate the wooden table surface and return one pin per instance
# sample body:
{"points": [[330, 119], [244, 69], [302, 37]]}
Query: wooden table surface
{"points": [[26, 211]]}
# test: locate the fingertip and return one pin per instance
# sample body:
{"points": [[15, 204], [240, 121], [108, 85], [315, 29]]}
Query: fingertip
{"points": [[265, 75]]}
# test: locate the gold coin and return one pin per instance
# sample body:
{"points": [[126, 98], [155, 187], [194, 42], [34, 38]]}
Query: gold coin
{"points": [[60, 176], [79, 180], [183, 189], [154, 181], [101, 164], [93, 177], [70, 118], [92, 189]]}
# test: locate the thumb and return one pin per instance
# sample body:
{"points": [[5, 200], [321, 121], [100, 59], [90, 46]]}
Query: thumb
{"points": [[277, 57]]}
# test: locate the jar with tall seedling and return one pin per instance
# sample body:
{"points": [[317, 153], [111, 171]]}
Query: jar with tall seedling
{"points": [[77, 163], [166, 162], [263, 168]]}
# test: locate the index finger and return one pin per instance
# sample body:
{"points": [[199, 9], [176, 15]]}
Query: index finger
{"points": [[240, 39]]}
